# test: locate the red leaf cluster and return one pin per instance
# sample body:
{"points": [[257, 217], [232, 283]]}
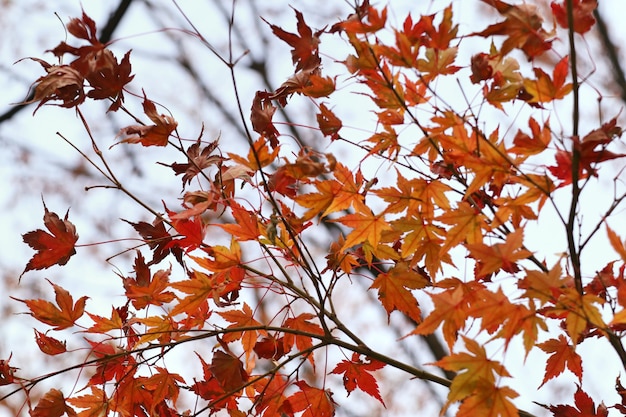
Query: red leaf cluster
{"points": [[94, 63]]}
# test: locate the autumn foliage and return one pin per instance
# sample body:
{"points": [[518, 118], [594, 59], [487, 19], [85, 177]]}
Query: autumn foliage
{"points": [[430, 217]]}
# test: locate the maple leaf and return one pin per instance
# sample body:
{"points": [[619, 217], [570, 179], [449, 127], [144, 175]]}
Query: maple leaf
{"points": [[475, 371], [147, 289], [302, 342], [489, 401], [501, 256], [7, 372], [113, 365], [52, 404], [305, 43], [616, 242], [61, 316], [191, 231], [585, 407], [241, 319], [562, 355], [211, 390], [438, 62], [467, 225], [200, 287], [394, 290], [366, 227], [158, 239], [357, 374], [108, 78], [526, 145], [162, 386], [228, 370], [150, 135], [589, 156], [103, 324], [522, 26], [270, 400], [95, 404], [62, 83], [261, 115], [54, 248], [49, 345], [270, 348], [366, 19], [314, 402], [259, 155], [197, 160], [545, 89], [246, 226], [583, 14], [329, 123]]}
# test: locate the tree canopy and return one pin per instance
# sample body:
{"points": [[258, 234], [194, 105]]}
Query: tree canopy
{"points": [[438, 171]]}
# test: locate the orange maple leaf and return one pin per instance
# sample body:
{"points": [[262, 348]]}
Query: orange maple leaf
{"points": [[61, 317], [501, 256], [475, 371], [201, 287], [246, 226], [54, 248], [314, 402], [95, 404], [147, 289], [302, 324], [545, 89], [366, 227], [562, 355], [241, 319], [489, 401], [450, 309], [271, 398], [438, 62], [394, 290]]}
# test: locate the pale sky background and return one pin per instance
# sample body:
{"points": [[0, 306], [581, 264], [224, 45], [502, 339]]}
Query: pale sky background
{"points": [[30, 27]]}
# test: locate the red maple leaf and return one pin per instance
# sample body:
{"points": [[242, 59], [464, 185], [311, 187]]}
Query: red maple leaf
{"points": [[357, 374], [585, 407], [49, 345], [583, 14], [52, 404], [589, 155], [304, 44], [562, 355], [54, 248]]}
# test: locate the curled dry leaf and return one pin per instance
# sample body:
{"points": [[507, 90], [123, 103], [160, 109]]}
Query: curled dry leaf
{"points": [[153, 135], [62, 83]]}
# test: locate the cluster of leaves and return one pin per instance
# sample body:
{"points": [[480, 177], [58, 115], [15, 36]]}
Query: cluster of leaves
{"points": [[459, 188]]}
